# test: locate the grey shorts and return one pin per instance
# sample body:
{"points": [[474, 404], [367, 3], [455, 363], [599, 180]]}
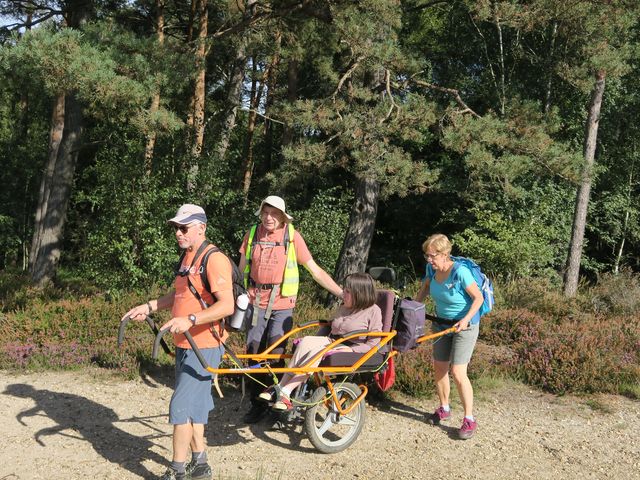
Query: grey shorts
{"points": [[455, 348], [263, 333], [192, 399]]}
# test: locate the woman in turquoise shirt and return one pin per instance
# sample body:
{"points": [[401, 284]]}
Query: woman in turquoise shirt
{"points": [[457, 297]]}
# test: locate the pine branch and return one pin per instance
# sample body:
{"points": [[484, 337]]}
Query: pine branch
{"points": [[271, 119], [346, 75], [387, 81], [451, 91]]}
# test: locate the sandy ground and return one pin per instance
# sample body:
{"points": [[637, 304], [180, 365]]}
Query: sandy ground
{"points": [[74, 425]]}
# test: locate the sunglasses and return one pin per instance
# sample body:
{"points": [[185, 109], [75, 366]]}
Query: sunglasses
{"points": [[183, 228]]}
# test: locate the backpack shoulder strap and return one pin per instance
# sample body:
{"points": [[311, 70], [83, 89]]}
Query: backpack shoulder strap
{"points": [[203, 271], [201, 249], [430, 272], [454, 270], [176, 269]]}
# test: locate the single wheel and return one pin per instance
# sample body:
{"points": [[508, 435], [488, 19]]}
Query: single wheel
{"points": [[328, 430]]}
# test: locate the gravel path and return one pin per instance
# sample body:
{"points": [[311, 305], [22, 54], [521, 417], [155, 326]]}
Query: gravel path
{"points": [[74, 425]]}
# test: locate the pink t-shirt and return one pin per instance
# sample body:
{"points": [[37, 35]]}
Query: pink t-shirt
{"points": [[346, 320], [268, 262]]}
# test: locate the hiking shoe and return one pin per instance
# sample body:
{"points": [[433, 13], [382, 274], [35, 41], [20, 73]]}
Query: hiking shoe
{"points": [[467, 429], [198, 471], [283, 404], [440, 415], [255, 413], [171, 474], [269, 395]]}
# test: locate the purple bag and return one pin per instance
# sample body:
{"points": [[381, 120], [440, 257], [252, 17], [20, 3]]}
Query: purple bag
{"points": [[409, 324]]}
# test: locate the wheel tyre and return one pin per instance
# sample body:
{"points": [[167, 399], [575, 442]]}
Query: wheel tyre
{"points": [[328, 431]]}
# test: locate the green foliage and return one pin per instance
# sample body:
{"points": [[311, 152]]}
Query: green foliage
{"points": [[509, 150], [323, 225], [372, 92], [351, 126]]}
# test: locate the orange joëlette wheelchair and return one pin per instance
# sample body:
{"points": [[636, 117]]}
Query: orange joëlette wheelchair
{"points": [[331, 406]]}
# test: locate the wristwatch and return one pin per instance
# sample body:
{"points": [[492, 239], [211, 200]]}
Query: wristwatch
{"points": [[192, 318]]}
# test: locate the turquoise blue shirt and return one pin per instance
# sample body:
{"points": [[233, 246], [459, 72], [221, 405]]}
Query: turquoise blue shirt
{"points": [[451, 299]]}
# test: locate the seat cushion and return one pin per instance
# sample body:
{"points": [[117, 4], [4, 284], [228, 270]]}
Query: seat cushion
{"points": [[347, 359]]}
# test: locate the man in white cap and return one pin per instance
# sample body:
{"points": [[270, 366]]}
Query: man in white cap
{"points": [[270, 254], [197, 309]]}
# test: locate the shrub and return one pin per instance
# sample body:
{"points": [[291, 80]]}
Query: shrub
{"points": [[539, 296], [614, 294], [593, 354], [414, 372], [64, 333], [556, 347]]}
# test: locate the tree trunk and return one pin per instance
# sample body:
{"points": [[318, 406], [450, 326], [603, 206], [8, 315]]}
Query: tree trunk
{"points": [[155, 100], [618, 260], [198, 102], [625, 223], [248, 162], [199, 94], [268, 124], [55, 137], [362, 220], [49, 242], [550, 56], [292, 96], [254, 102], [233, 99], [55, 189], [572, 271], [192, 16]]}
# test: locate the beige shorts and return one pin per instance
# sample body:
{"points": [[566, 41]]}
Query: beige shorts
{"points": [[455, 348]]}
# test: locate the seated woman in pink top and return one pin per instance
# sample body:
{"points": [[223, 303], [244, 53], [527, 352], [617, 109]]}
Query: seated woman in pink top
{"points": [[358, 312]]}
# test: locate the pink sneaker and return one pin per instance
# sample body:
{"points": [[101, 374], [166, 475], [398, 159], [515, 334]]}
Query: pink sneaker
{"points": [[438, 416], [467, 429]]}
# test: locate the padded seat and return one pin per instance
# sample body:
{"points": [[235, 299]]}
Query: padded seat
{"points": [[346, 359]]}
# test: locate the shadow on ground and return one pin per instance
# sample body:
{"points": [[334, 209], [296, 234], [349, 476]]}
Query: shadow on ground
{"points": [[83, 419]]}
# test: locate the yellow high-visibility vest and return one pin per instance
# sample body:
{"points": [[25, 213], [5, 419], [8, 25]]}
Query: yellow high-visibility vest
{"points": [[291, 278]]}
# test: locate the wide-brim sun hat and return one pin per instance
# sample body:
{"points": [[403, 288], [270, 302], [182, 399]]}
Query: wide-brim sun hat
{"points": [[276, 202], [189, 213]]}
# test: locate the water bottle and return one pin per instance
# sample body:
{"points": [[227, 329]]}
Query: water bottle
{"points": [[237, 320]]}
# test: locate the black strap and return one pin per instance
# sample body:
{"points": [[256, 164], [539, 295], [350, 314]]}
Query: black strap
{"points": [[213, 327], [201, 249], [262, 286], [443, 321]]}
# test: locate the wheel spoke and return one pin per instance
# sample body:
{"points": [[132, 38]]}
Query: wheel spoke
{"points": [[326, 425], [344, 420]]}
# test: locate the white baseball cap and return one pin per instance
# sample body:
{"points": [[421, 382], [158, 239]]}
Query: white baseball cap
{"points": [[189, 213], [275, 202]]}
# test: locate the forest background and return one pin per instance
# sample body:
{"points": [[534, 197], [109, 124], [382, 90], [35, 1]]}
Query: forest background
{"points": [[510, 126]]}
